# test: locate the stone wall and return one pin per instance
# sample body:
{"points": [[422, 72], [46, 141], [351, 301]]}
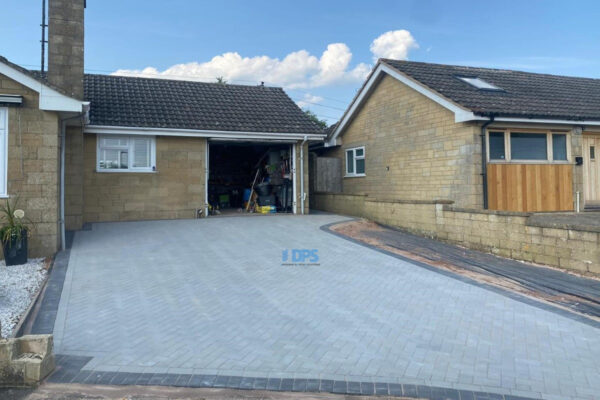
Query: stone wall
{"points": [[65, 45], [33, 160], [413, 149], [175, 190], [18, 367], [507, 234]]}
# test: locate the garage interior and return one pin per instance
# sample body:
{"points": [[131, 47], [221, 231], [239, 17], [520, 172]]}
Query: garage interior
{"points": [[250, 178]]}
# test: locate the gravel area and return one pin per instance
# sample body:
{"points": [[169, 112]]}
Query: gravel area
{"points": [[18, 285]]}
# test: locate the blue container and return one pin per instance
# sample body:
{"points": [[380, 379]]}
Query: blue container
{"points": [[247, 194]]}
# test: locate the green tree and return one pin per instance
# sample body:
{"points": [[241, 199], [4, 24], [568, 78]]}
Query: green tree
{"points": [[221, 80], [321, 122]]}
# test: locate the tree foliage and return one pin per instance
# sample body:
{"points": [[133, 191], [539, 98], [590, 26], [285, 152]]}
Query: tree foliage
{"points": [[321, 122]]}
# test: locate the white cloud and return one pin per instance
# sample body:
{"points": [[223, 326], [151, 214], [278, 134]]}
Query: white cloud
{"points": [[308, 100], [297, 70], [393, 44]]}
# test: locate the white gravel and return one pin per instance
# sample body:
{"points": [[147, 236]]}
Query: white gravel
{"points": [[18, 285]]}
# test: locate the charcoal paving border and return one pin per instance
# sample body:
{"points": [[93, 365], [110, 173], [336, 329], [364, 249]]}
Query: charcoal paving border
{"points": [[70, 370]]}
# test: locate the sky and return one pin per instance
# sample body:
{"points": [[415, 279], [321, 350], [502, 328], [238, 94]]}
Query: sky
{"points": [[319, 51]]}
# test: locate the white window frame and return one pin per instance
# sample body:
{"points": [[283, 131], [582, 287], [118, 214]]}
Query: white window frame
{"points": [[4, 153], [549, 149], [354, 158], [130, 154]]}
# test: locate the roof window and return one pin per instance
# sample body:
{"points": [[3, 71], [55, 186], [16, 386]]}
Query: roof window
{"points": [[478, 83]]}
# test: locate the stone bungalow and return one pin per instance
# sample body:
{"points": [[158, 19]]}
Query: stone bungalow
{"points": [[80, 148], [467, 155]]}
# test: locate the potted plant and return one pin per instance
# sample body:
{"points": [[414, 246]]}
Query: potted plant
{"points": [[13, 234]]}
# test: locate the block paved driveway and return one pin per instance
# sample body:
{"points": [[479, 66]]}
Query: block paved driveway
{"points": [[212, 297]]}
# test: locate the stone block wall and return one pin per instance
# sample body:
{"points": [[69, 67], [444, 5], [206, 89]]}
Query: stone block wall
{"points": [[506, 234], [33, 161], [65, 45], [18, 368], [175, 190], [413, 149]]}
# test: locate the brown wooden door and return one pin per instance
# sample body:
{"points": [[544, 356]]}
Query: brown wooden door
{"points": [[591, 169]]}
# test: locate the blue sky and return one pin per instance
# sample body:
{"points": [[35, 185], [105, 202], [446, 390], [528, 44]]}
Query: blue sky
{"points": [[328, 44]]}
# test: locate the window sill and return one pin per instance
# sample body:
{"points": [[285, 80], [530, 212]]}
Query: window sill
{"points": [[123, 171], [4, 196], [355, 176], [540, 162]]}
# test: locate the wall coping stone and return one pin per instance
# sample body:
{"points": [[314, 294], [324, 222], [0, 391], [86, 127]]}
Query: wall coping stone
{"points": [[404, 201], [488, 212], [562, 225], [341, 194]]}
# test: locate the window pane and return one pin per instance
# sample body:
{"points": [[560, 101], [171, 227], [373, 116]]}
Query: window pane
{"points": [[114, 142], [497, 146], [359, 152], [592, 153], [528, 146], [141, 153], [350, 161], [559, 147], [113, 159], [360, 166], [124, 158]]}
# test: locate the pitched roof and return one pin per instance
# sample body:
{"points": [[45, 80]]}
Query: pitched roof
{"points": [[161, 103], [522, 94], [36, 75]]}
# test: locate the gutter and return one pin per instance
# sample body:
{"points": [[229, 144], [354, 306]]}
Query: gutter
{"points": [[484, 161], [212, 134]]}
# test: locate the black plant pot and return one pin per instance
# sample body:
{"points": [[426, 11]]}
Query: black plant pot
{"points": [[15, 250]]}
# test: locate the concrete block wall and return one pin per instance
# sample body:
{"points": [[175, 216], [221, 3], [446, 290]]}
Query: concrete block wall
{"points": [[33, 160], [414, 149], [174, 191], [506, 234]]}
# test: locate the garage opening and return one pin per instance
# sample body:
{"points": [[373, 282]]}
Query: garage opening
{"points": [[250, 178]]}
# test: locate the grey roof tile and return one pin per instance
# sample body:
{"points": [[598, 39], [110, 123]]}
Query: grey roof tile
{"points": [[523, 94], [178, 104]]}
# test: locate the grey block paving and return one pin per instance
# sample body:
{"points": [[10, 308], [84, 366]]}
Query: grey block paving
{"points": [[208, 299]]}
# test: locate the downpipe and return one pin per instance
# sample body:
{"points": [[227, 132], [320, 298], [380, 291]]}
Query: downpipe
{"points": [[484, 161], [302, 194], [63, 137]]}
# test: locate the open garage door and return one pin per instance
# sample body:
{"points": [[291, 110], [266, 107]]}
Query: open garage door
{"points": [[250, 178]]}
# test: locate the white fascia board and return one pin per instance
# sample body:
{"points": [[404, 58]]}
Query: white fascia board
{"points": [[547, 121], [50, 99], [460, 114], [125, 130]]}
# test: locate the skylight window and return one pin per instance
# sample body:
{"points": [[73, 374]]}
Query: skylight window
{"points": [[479, 83]]}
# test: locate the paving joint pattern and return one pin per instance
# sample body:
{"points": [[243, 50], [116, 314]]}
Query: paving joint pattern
{"points": [[505, 292], [370, 320]]}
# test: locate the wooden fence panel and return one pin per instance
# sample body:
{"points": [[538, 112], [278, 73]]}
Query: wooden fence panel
{"points": [[530, 187]]}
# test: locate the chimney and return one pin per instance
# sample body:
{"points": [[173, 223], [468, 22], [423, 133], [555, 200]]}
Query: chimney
{"points": [[65, 45]]}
